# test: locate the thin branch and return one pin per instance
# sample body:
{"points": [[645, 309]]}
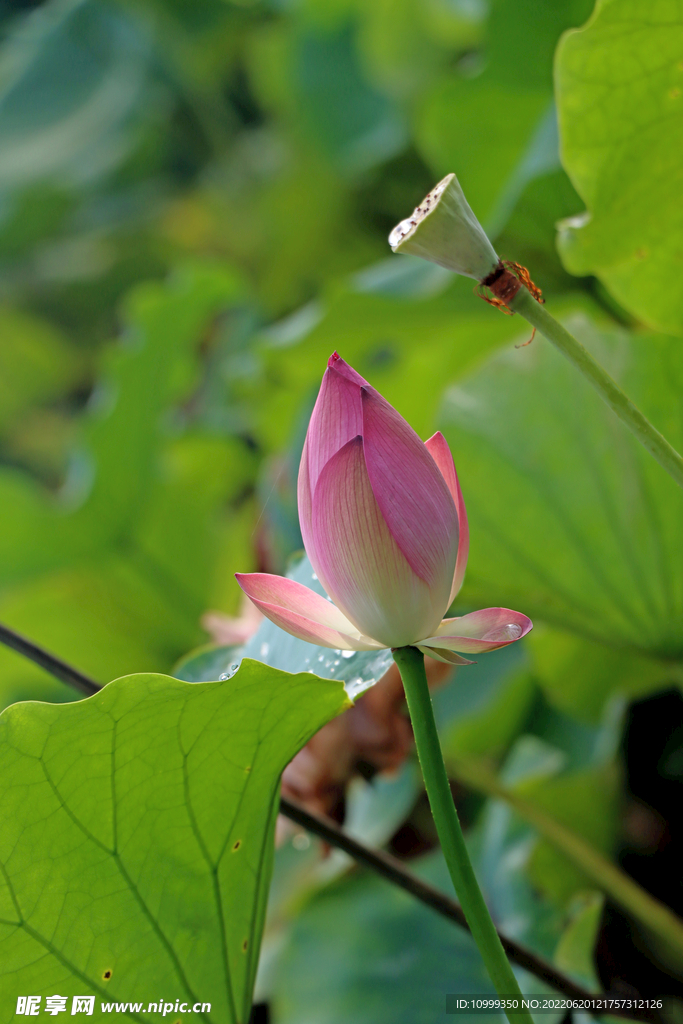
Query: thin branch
{"points": [[393, 871], [381, 863], [50, 662]]}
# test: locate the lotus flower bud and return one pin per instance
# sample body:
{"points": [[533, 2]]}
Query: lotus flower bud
{"points": [[385, 528], [443, 229]]}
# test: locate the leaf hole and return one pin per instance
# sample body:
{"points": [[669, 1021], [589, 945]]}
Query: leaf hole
{"points": [[237, 846], [245, 945], [107, 975]]}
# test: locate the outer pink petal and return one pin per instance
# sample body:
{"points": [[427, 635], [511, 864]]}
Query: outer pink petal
{"points": [[336, 362], [411, 493], [437, 446], [302, 612], [364, 569], [484, 630], [336, 418]]}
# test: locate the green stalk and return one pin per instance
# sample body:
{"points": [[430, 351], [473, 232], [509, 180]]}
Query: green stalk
{"points": [[657, 445], [410, 663]]}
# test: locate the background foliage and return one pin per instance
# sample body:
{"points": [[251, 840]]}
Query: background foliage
{"points": [[194, 202]]}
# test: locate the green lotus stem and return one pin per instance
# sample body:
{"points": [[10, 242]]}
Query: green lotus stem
{"points": [[410, 663], [657, 445]]}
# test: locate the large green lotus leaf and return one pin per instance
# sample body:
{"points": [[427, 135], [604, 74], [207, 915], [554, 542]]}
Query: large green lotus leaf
{"points": [[137, 842], [571, 520], [619, 94], [578, 675]]}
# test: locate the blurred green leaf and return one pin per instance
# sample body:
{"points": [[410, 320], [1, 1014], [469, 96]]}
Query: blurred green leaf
{"points": [[494, 125], [115, 573], [579, 675], [36, 364], [586, 803], [482, 709], [570, 521], [575, 951], [70, 77], [349, 119], [410, 349], [362, 950], [619, 92], [146, 847]]}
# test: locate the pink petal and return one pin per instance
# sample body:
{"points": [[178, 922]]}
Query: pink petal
{"points": [[343, 369], [437, 446], [411, 493], [336, 418], [364, 569], [484, 630], [302, 612], [449, 657]]}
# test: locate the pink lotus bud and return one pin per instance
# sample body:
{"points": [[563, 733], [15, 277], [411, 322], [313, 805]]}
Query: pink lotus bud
{"points": [[385, 529]]}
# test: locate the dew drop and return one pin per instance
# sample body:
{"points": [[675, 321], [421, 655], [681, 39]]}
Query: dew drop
{"points": [[511, 631], [301, 841], [223, 676]]}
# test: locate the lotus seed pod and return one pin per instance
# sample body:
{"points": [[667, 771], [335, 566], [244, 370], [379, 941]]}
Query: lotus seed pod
{"points": [[443, 229]]}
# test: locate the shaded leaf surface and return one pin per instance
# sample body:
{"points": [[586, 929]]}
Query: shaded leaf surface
{"points": [[572, 521], [137, 835], [620, 96]]}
